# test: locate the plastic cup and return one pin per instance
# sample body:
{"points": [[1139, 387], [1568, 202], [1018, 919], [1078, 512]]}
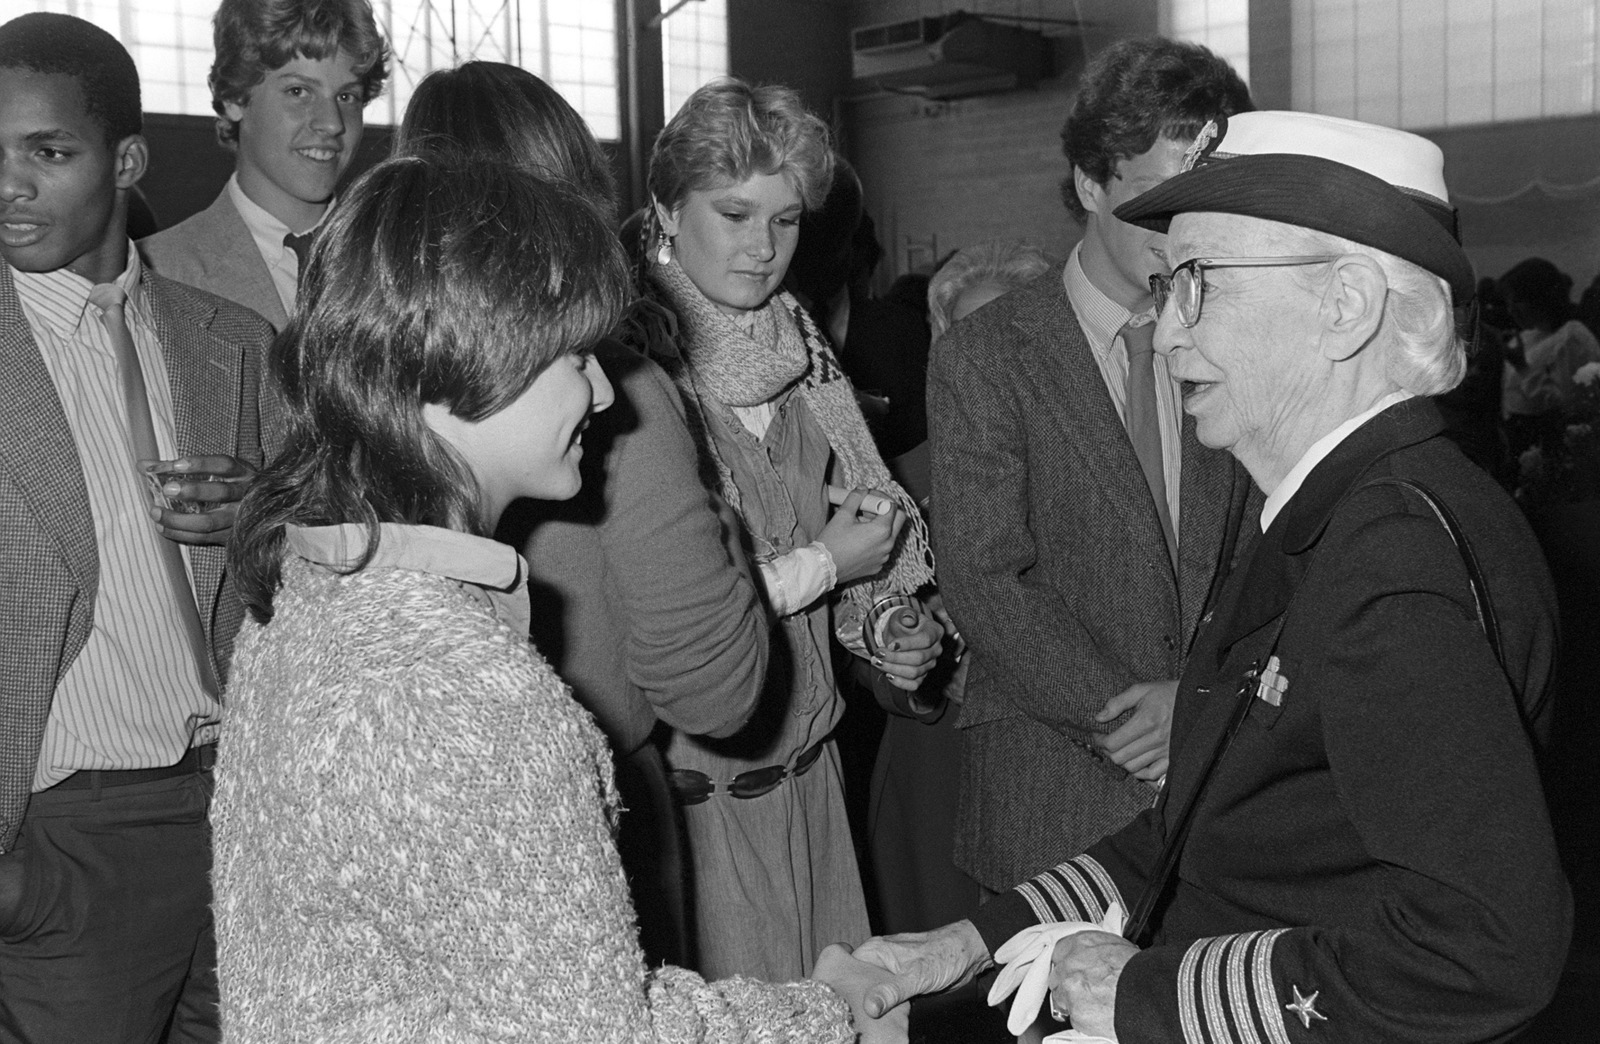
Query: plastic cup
{"points": [[157, 473]]}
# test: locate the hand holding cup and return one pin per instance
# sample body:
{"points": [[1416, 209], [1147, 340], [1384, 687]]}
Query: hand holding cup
{"points": [[195, 500]]}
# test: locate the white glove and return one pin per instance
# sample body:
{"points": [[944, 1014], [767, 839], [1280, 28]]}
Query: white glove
{"points": [[1026, 957]]}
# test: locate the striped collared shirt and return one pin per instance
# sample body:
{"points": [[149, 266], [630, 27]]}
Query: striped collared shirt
{"points": [[1102, 320], [133, 697]]}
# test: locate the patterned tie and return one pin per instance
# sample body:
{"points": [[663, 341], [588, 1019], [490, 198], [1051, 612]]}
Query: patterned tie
{"points": [[1144, 421], [110, 299], [301, 245]]}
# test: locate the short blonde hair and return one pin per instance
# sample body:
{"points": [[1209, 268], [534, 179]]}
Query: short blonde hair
{"points": [[728, 132], [1007, 263]]}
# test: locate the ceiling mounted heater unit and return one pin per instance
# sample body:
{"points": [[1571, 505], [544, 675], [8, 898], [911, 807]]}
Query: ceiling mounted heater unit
{"points": [[953, 56]]}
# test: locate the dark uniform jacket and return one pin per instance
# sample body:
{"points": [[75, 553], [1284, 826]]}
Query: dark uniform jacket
{"points": [[1372, 860]]}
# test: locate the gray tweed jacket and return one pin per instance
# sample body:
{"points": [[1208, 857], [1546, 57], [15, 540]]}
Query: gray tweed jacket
{"points": [[1053, 564], [49, 564]]}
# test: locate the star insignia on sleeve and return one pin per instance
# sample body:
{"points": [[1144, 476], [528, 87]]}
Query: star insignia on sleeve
{"points": [[1306, 1007]]}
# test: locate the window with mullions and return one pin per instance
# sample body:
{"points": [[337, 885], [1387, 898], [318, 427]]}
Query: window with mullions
{"points": [[1438, 63], [170, 41], [570, 43], [694, 48], [1222, 25]]}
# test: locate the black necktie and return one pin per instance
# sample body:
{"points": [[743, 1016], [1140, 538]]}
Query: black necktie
{"points": [[301, 245]]}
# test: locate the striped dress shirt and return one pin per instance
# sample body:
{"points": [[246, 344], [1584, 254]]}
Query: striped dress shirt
{"points": [[133, 697], [1102, 320]]}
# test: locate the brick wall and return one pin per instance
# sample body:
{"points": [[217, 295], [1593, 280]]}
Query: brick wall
{"points": [[943, 175]]}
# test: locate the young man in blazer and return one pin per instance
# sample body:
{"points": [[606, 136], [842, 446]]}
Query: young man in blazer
{"points": [[118, 617], [289, 84], [1079, 525]]}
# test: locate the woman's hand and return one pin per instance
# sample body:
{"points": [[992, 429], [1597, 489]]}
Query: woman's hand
{"points": [[860, 546], [907, 659]]}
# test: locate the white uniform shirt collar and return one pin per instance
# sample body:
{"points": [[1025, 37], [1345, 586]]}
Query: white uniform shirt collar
{"points": [[1278, 498], [483, 566]]}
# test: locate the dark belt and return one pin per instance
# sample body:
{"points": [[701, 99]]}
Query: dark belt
{"points": [[198, 759], [691, 786]]}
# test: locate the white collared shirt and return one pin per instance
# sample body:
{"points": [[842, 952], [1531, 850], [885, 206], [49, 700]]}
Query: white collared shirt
{"points": [[492, 572], [1102, 320], [268, 233], [132, 697], [1319, 451]]}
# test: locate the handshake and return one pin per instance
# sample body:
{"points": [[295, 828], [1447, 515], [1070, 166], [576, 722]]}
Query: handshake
{"points": [[1077, 964]]}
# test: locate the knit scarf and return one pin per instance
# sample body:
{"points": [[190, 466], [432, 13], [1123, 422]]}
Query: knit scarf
{"points": [[718, 362]]}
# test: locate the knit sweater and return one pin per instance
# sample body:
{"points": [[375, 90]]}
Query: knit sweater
{"points": [[413, 841]]}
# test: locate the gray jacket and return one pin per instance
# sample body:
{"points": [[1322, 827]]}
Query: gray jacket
{"points": [[1053, 564]]}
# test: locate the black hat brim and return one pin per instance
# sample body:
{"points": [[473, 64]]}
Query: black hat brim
{"points": [[1318, 194]]}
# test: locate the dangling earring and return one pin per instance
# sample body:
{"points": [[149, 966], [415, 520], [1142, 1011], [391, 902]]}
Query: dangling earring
{"points": [[663, 247]]}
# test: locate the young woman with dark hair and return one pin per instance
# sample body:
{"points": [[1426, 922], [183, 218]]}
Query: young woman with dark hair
{"points": [[413, 817], [639, 602]]}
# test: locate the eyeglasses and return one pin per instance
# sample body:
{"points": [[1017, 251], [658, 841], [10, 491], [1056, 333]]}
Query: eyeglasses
{"points": [[1187, 283]]}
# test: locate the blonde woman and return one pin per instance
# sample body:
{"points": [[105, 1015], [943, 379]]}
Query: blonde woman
{"points": [[776, 421]]}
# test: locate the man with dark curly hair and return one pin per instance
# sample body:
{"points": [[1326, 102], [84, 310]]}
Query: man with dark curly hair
{"points": [[289, 83], [1059, 452]]}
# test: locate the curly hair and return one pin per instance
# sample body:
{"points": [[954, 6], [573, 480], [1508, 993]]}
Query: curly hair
{"points": [[728, 132], [254, 37], [1137, 91], [444, 278], [65, 45]]}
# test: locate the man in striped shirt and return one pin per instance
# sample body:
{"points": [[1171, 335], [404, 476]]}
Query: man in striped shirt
{"points": [[116, 617]]}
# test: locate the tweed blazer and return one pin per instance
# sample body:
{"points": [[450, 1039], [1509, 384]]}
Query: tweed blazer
{"points": [[1054, 566], [1374, 845], [49, 563], [214, 251]]}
